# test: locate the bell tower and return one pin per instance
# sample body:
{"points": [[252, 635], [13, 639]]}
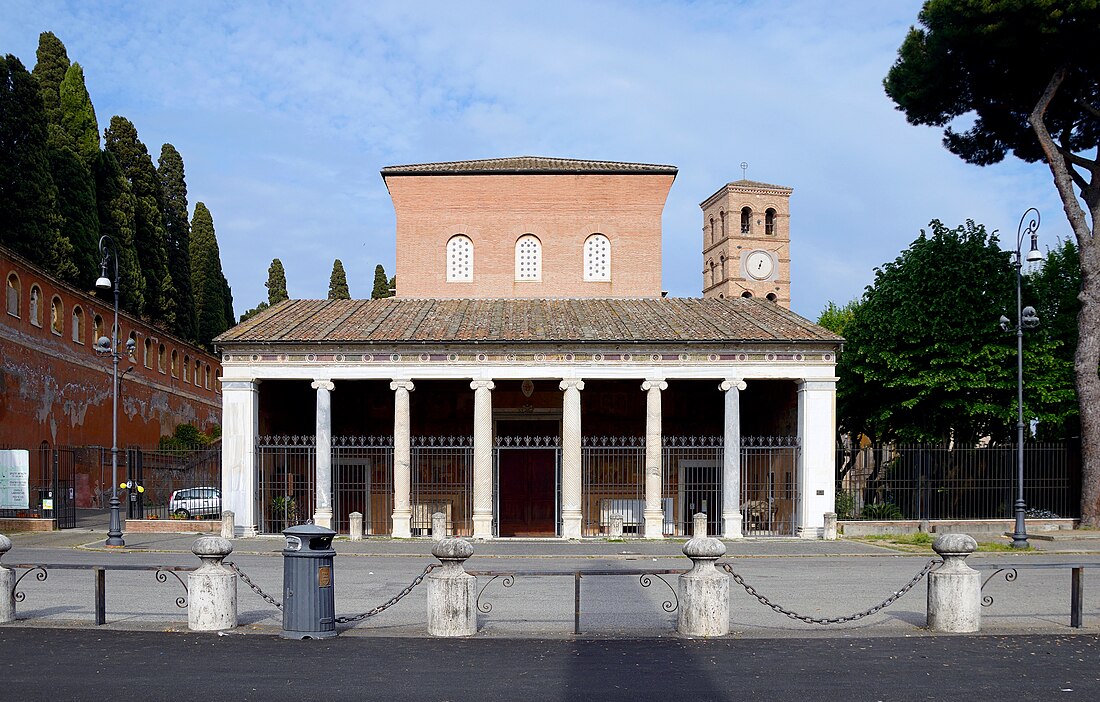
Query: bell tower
{"points": [[747, 242]]}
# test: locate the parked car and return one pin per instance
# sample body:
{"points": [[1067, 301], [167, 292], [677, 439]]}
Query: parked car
{"points": [[196, 502]]}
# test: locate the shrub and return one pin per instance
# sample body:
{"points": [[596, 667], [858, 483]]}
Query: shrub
{"points": [[881, 510]]}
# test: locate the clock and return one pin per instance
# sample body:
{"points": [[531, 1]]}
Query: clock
{"points": [[759, 265]]}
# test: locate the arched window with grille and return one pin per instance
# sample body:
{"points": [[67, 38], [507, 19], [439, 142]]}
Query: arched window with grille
{"points": [[746, 220], [78, 324], [460, 259], [528, 258], [57, 319], [769, 222], [597, 258], [14, 290]]}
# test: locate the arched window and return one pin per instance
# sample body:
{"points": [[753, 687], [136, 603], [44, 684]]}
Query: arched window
{"points": [[722, 217], [722, 260], [769, 222], [78, 325], [97, 328], [131, 346], [713, 272], [161, 358], [746, 294], [198, 372], [35, 314], [175, 364], [746, 220], [207, 376], [186, 368], [528, 258], [57, 312], [147, 354], [597, 258], [713, 231], [460, 259], [771, 297], [14, 290]]}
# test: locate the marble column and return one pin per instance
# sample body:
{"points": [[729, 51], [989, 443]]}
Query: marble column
{"points": [[483, 458], [402, 459], [240, 427], [571, 458], [731, 459], [654, 512], [815, 486], [322, 514]]}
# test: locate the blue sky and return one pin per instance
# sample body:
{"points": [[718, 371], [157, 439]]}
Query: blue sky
{"points": [[284, 113]]}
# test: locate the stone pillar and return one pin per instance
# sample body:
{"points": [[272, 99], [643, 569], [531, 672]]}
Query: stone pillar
{"points": [[212, 587], [731, 458], [439, 526], [322, 514], [815, 484], [240, 427], [615, 528], [571, 458], [483, 458], [704, 592], [654, 512], [830, 526], [402, 459], [954, 589], [229, 528], [355, 526], [452, 592], [7, 585]]}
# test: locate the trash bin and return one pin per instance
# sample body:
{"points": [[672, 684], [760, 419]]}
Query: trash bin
{"points": [[309, 609]]}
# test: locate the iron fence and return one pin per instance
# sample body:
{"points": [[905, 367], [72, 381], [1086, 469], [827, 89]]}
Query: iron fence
{"points": [[612, 482], [769, 469], [442, 481], [286, 466], [178, 483], [932, 481], [362, 471], [692, 482]]}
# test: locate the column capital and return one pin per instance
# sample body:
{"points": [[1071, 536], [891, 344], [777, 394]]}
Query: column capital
{"points": [[571, 383], [239, 384], [402, 384], [323, 385], [655, 384], [483, 384], [731, 383], [827, 384]]}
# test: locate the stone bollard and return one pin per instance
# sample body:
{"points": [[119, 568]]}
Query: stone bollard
{"points": [[830, 527], [439, 526], [704, 592], [212, 587], [452, 592], [229, 525], [7, 585], [954, 589], [615, 530], [355, 526]]}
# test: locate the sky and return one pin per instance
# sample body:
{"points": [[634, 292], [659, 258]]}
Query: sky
{"points": [[284, 113]]}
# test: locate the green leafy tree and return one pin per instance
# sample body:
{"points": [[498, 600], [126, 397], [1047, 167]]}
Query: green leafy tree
{"points": [[836, 318], [78, 118], [52, 64], [1056, 286], [173, 188], [276, 283], [1024, 79], [116, 207], [150, 238], [338, 283], [207, 280], [381, 283], [249, 314]]}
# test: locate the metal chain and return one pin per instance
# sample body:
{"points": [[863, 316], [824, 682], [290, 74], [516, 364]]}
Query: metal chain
{"points": [[836, 620], [394, 600], [255, 588]]}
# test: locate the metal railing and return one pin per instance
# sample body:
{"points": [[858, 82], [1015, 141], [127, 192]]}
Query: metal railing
{"points": [[286, 466], [362, 481], [612, 482], [443, 481]]}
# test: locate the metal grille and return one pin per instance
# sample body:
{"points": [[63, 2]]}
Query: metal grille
{"points": [[692, 482], [179, 483], [442, 481], [286, 469], [769, 469], [612, 482], [925, 481], [362, 480]]}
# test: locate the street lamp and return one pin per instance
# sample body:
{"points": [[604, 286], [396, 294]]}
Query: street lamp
{"points": [[111, 346], [1025, 318]]}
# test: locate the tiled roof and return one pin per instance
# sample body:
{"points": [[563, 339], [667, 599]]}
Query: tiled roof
{"points": [[526, 164], [415, 321], [757, 184]]}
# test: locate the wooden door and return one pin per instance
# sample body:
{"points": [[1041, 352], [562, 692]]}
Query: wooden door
{"points": [[527, 492]]}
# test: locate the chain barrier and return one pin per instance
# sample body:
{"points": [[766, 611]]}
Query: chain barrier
{"points": [[255, 588], [836, 620]]}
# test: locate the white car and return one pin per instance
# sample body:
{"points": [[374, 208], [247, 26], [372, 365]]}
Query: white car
{"points": [[196, 502]]}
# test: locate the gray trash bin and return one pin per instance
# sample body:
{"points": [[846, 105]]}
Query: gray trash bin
{"points": [[309, 609]]}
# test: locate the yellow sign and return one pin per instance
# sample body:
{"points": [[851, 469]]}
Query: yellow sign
{"points": [[324, 576]]}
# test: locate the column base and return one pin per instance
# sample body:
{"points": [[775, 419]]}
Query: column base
{"points": [[571, 524], [810, 532], [654, 524], [323, 518], [241, 530], [402, 524], [731, 526], [483, 526]]}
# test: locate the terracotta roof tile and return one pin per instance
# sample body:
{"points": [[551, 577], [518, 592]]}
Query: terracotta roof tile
{"points": [[526, 164]]}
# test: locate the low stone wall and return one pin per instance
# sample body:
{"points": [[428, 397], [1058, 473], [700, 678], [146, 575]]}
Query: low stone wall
{"points": [[11, 524], [960, 526], [173, 526]]}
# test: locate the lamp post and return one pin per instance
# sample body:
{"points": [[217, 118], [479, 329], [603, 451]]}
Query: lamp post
{"points": [[1025, 318], [111, 346]]}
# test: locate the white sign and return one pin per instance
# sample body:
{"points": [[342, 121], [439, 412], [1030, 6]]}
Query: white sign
{"points": [[14, 479]]}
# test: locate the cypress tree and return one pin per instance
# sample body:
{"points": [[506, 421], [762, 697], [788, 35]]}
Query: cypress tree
{"points": [[227, 309], [149, 235], [116, 207], [276, 283], [249, 314], [381, 284], [53, 62], [76, 203], [173, 189], [207, 282], [338, 283], [78, 116]]}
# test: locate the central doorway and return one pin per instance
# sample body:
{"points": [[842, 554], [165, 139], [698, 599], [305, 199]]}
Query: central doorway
{"points": [[527, 478]]}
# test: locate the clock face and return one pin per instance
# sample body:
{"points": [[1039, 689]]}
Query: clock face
{"points": [[759, 265]]}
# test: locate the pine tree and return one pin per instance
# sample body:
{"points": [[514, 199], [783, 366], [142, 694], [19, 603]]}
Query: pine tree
{"points": [[53, 62], [149, 235], [207, 281], [276, 283], [173, 189], [381, 284], [29, 219], [78, 115], [116, 206], [338, 283]]}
